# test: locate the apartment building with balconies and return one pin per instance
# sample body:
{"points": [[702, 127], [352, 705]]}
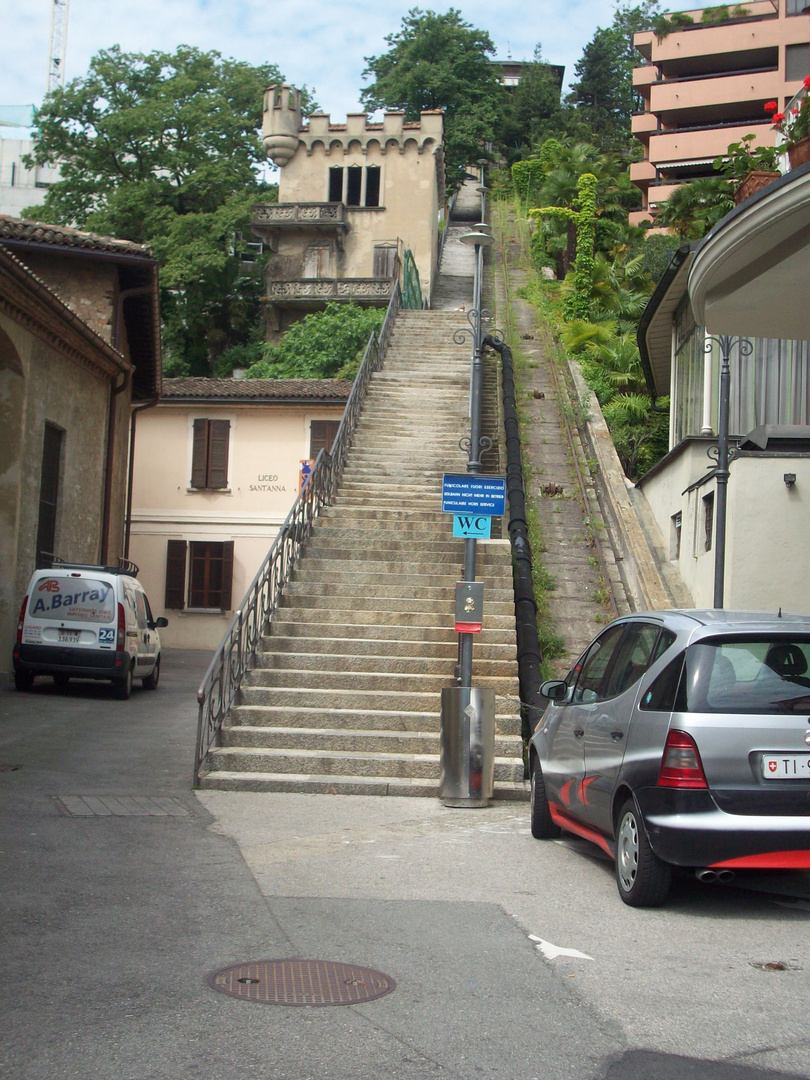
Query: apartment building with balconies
{"points": [[705, 85]]}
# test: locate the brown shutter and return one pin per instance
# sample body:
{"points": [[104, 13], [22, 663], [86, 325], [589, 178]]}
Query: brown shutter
{"points": [[218, 437], [199, 455], [321, 436], [175, 574], [227, 575]]}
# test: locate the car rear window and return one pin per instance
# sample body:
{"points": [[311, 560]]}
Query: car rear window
{"points": [[72, 599], [763, 675]]}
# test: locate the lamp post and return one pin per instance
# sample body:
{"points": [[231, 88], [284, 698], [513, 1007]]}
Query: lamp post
{"points": [[721, 452], [478, 239]]}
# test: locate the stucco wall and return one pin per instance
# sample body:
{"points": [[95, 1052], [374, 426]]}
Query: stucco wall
{"points": [[56, 391], [766, 537], [267, 445]]}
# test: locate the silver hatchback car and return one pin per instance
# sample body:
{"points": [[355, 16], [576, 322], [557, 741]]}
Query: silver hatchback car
{"points": [[681, 739]]}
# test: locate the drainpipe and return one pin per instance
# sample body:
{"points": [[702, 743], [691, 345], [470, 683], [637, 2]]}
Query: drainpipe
{"points": [[123, 296]]}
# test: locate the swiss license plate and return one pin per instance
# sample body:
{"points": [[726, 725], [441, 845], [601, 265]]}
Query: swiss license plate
{"points": [[69, 637], [786, 766]]}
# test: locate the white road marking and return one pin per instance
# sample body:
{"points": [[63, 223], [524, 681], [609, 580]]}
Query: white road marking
{"points": [[551, 952]]}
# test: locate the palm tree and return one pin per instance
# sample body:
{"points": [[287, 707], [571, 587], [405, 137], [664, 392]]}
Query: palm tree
{"points": [[695, 207]]}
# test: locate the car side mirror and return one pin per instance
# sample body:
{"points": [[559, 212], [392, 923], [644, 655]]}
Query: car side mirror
{"points": [[554, 689], [160, 623]]}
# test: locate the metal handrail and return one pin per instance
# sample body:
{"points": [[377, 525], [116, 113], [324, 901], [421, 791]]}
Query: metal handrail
{"points": [[250, 622]]}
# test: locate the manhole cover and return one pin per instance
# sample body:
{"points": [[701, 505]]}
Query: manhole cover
{"points": [[301, 982]]}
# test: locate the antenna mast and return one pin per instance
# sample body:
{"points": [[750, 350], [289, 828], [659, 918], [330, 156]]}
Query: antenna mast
{"points": [[57, 46]]}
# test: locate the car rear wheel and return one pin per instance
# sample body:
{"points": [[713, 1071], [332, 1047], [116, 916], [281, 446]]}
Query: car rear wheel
{"points": [[123, 686], [150, 682], [61, 681], [23, 680], [543, 827], [643, 879]]}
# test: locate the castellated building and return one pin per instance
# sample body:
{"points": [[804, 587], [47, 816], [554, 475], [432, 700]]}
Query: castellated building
{"points": [[358, 205]]}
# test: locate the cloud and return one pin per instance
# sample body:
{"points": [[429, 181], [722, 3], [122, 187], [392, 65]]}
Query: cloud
{"points": [[322, 44]]}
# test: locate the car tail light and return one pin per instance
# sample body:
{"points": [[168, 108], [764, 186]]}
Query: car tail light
{"points": [[680, 765], [122, 628], [22, 620]]}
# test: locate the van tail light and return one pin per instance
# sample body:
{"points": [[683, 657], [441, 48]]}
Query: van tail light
{"points": [[681, 766], [122, 629], [22, 620]]}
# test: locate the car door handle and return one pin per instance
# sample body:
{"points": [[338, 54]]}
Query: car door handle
{"points": [[578, 733], [616, 735]]}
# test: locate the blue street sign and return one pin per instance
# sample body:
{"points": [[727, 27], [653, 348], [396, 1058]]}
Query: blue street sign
{"points": [[466, 494], [467, 526]]}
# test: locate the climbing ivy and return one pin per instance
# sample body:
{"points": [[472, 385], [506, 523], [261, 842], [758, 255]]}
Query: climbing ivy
{"points": [[583, 215]]}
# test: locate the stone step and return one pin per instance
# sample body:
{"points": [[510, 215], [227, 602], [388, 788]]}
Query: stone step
{"points": [[287, 624], [401, 682], [320, 697], [324, 740], [352, 719], [394, 620], [362, 648], [392, 607], [343, 763], [517, 791], [326, 663], [398, 589]]}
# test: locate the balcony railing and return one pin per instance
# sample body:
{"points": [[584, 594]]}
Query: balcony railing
{"points": [[291, 215], [305, 290]]}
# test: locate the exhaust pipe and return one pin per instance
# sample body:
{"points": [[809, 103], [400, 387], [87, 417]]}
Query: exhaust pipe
{"points": [[708, 876]]}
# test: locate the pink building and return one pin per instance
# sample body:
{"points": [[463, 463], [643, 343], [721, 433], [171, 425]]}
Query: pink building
{"points": [[704, 86]]}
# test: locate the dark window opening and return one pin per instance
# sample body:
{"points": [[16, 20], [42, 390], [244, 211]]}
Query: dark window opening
{"points": [[49, 494], [336, 184], [373, 185], [209, 459], [797, 62], [354, 185]]}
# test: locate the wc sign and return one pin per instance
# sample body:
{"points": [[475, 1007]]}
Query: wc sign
{"points": [[472, 526], [473, 501]]}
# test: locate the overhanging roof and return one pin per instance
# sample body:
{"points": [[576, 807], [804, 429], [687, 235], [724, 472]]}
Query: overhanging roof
{"points": [[751, 274], [655, 326]]}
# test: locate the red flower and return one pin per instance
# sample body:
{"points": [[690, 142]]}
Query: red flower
{"points": [[772, 106], [806, 83], [778, 117]]}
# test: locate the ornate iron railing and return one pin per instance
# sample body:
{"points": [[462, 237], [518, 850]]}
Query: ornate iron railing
{"points": [[250, 622]]}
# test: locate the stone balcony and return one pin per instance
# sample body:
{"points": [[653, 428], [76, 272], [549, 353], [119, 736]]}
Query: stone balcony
{"points": [[269, 219], [307, 292]]}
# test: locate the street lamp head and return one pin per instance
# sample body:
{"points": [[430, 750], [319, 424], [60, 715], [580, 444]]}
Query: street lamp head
{"points": [[477, 239]]}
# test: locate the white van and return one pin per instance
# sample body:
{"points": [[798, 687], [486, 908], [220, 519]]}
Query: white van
{"points": [[91, 622]]}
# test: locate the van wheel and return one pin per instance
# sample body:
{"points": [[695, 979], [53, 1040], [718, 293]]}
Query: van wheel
{"points": [[23, 680], [123, 686], [61, 681], [150, 682]]}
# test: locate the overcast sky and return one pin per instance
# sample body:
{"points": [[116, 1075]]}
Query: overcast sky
{"points": [[318, 42]]}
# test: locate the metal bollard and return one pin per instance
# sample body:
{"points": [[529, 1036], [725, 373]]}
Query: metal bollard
{"points": [[467, 754]]}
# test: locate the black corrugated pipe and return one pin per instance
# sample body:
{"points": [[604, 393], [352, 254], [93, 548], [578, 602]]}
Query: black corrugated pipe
{"points": [[529, 654]]}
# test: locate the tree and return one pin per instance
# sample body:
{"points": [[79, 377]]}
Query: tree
{"points": [[164, 149], [324, 345], [603, 96], [696, 206], [533, 110], [438, 61]]}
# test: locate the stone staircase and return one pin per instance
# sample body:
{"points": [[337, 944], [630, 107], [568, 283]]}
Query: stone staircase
{"points": [[345, 695]]}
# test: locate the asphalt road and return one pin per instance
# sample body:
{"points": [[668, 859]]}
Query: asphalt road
{"points": [[122, 891]]}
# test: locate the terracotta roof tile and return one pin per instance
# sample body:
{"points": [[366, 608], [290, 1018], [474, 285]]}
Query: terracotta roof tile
{"points": [[40, 232], [200, 389]]}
